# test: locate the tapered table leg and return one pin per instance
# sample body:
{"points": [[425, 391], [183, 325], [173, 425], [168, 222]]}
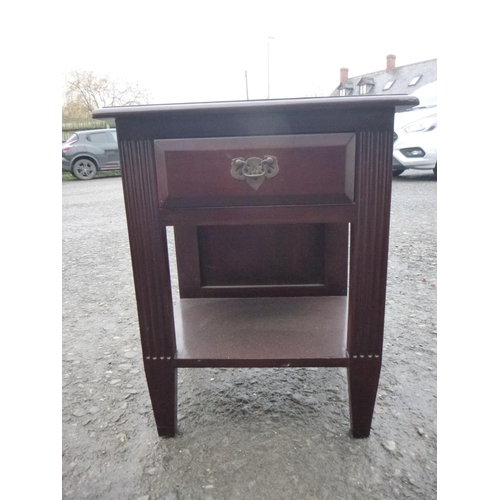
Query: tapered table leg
{"points": [[161, 376], [363, 377]]}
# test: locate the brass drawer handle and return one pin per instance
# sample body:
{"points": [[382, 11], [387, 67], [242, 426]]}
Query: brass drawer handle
{"points": [[254, 170]]}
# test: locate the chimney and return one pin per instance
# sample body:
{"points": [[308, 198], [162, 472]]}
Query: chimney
{"points": [[391, 62], [343, 74]]}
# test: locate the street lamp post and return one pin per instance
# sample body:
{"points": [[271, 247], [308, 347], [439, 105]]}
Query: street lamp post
{"points": [[268, 69]]}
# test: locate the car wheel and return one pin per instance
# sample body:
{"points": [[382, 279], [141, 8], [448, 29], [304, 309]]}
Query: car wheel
{"points": [[84, 169], [395, 173]]}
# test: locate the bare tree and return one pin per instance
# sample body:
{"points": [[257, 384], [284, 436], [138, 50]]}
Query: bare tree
{"points": [[86, 91]]}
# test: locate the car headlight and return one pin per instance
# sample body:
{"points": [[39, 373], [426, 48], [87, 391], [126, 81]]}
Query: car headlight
{"points": [[424, 125]]}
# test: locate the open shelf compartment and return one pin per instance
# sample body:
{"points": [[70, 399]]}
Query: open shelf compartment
{"points": [[278, 331]]}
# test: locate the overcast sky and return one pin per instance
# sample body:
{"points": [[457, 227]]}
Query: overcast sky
{"points": [[199, 51]]}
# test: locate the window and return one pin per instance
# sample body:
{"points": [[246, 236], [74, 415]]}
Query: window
{"points": [[98, 137], [73, 138], [365, 85], [415, 80], [388, 85], [113, 135]]}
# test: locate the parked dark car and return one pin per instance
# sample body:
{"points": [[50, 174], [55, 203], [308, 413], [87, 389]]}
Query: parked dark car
{"points": [[89, 151]]}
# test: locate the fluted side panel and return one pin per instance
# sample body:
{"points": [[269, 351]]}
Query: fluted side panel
{"points": [[148, 248], [369, 244]]}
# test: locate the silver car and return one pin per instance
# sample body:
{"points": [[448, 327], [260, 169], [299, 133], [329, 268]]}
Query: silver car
{"points": [[90, 151], [415, 134]]}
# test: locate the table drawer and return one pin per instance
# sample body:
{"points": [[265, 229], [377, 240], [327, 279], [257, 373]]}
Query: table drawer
{"points": [[256, 170]]}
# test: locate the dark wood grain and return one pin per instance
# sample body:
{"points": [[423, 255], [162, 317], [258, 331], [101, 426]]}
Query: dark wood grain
{"points": [[313, 169], [315, 104], [336, 259], [220, 216], [207, 122], [262, 255], [262, 260], [276, 331], [149, 254], [188, 261], [161, 375], [369, 244], [264, 275], [362, 377], [148, 248]]}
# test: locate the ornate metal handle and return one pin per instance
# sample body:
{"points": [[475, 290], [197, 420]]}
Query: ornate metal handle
{"points": [[254, 170]]}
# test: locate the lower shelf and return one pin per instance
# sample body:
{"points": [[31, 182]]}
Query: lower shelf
{"points": [[261, 332]]}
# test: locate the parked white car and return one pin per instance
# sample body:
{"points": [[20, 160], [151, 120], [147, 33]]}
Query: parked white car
{"points": [[415, 133]]}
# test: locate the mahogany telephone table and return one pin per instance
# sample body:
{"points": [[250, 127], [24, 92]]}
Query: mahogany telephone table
{"points": [[280, 211]]}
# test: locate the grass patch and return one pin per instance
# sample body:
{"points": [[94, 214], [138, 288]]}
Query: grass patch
{"points": [[68, 176]]}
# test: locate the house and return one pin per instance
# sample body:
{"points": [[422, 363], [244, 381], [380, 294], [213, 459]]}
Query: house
{"points": [[392, 80]]}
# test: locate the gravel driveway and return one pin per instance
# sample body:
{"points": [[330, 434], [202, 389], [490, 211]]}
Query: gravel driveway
{"points": [[242, 433]]}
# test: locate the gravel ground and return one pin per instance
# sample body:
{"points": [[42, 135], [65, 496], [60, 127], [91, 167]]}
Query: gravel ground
{"points": [[242, 433]]}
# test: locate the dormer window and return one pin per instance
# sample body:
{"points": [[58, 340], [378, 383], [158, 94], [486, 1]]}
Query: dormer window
{"points": [[345, 90], [415, 80], [388, 85], [365, 84]]}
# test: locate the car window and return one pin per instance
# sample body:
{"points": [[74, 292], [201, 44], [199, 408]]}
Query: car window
{"points": [[98, 137], [112, 133], [74, 137]]}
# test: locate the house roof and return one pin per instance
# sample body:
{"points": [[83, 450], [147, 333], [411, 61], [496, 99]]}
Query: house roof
{"points": [[401, 76], [366, 80]]}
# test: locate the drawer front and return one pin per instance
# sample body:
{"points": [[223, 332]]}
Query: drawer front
{"points": [[258, 170]]}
